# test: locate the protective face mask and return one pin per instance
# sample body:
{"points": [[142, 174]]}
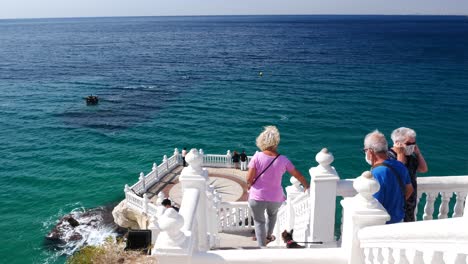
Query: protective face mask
{"points": [[368, 160], [409, 149]]}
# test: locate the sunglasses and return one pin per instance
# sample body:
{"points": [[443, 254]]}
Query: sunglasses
{"points": [[410, 143]]}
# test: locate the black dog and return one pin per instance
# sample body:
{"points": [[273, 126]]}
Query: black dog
{"points": [[288, 239]]}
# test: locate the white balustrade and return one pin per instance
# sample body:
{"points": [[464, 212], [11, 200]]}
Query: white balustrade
{"points": [[204, 214], [235, 216], [447, 242]]}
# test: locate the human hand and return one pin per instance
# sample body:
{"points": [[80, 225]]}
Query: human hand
{"points": [[416, 150], [399, 148]]}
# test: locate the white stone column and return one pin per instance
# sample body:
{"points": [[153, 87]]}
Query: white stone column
{"points": [[194, 176], [358, 212], [323, 183]]}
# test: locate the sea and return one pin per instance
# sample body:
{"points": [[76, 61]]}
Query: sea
{"points": [[211, 83]]}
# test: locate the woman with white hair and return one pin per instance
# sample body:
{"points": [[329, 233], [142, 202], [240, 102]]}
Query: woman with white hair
{"points": [[266, 169], [406, 151]]}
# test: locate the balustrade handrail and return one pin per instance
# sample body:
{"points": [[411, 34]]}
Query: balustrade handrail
{"points": [[446, 235]]}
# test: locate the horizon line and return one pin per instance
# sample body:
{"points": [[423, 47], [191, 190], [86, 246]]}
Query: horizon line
{"points": [[232, 15]]}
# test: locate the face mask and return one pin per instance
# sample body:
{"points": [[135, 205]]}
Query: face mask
{"points": [[368, 160], [409, 150]]}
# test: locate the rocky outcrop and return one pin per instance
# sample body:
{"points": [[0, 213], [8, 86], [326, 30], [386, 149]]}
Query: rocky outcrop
{"points": [[128, 218]]}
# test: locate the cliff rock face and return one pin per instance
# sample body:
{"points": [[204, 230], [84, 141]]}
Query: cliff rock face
{"points": [[128, 218]]}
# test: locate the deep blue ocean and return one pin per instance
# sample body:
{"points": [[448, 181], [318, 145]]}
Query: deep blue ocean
{"points": [[167, 82]]}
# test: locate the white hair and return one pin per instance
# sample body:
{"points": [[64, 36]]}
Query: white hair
{"points": [[376, 141], [268, 139], [401, 134]]}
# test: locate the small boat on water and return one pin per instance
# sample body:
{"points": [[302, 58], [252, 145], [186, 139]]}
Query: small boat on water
{"points": [[92, 100]]}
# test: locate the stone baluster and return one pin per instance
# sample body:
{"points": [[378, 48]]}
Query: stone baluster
{"points": [[194, 176], [165, 162], [143, 181], [323, 183], [444, 205], [360, 211], [460, 200], [228, 158], [429, 208]]}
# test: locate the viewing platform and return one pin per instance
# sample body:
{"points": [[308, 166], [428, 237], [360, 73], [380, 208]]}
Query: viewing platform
{"points": [[214, 222]]}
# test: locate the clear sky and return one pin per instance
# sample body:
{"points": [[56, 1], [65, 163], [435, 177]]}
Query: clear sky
{"points": [[98, 8]]}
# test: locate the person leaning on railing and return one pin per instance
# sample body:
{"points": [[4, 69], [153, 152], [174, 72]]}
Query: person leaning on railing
{"points": [[266, 169]]}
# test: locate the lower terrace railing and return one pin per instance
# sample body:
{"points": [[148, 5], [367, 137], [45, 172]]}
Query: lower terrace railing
{"points": [[442, 241], [145, 182]]}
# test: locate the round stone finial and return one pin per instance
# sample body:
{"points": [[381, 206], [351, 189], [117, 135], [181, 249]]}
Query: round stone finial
{"points": [[366, 185], [194, 159], [155, 166], [324, 157], [295, 183]]}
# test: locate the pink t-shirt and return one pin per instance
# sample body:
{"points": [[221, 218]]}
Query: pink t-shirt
{"points": [[268, 186]]}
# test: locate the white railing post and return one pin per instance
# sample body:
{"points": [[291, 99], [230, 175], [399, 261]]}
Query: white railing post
{"points": [[166, 162], [194, 176], [177, 155], [142, 179], [323, 183], [228, 158], [155, 169], [360, 211], [291, 193], [458, 208]]}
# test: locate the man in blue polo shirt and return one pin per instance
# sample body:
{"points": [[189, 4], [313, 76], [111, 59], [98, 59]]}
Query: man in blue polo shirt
{"points": [[392, 175]]}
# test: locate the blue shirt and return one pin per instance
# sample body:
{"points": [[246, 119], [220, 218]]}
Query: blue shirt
{"points": [[389, 194]]}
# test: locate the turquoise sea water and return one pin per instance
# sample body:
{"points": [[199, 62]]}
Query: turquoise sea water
{"points": [[194, 82]]}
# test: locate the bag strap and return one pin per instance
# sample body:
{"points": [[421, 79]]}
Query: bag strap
{"points": [[265, 169], [394, 171]]}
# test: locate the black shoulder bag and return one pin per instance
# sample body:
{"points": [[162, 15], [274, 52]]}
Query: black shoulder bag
{"points": [[255, 180]]}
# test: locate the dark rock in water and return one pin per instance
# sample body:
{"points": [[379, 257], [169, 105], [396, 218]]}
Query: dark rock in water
{"points": [[73, 222], [81, 228]]}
